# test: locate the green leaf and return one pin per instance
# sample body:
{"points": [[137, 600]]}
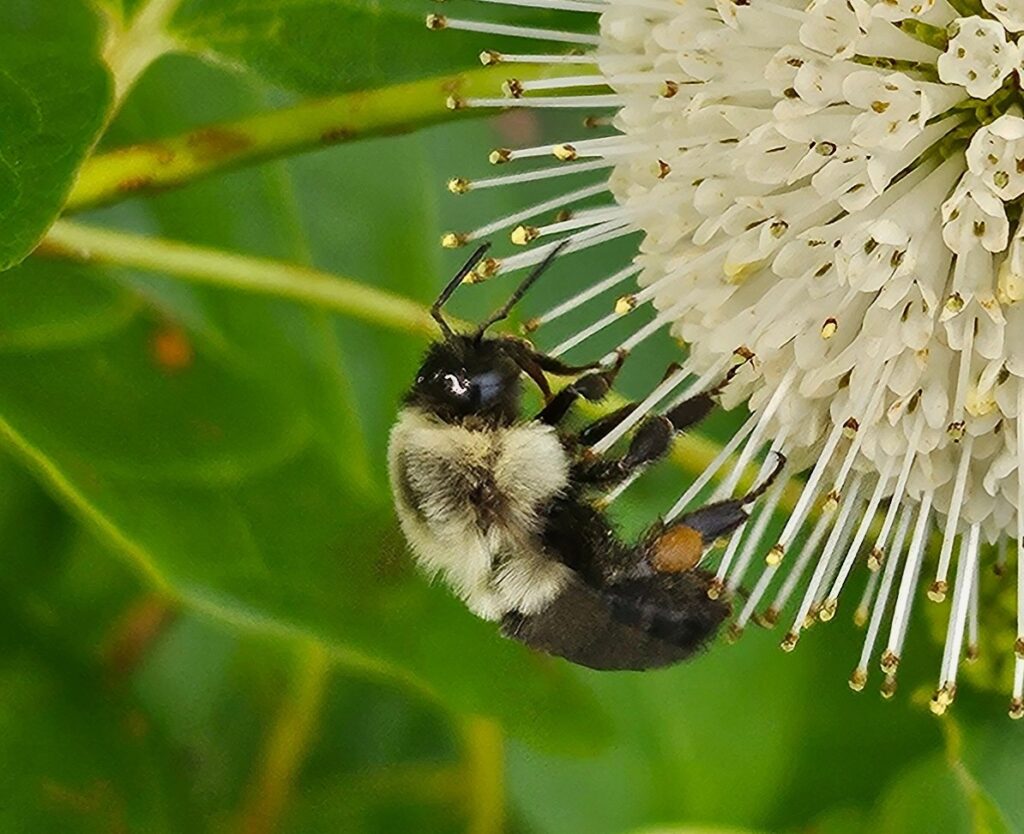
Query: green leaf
{"points": [[54, 96], [320, 46]]}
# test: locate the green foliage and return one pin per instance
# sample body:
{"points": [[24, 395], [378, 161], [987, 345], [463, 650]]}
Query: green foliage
{"points": [[54, 96], [208, 620], [323, 46]]}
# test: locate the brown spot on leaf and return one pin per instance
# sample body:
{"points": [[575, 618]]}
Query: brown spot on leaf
{"points": [[133, 184], [172, 350]]}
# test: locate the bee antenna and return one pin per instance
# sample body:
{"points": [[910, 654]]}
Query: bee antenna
{"points": [[446, 293], [506, 308]]}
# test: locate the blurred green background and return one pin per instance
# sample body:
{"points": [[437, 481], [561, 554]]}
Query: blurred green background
{"points": [[209, 619]]}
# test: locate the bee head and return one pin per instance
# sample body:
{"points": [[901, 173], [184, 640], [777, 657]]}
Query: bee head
{"points": [[466, 375]]}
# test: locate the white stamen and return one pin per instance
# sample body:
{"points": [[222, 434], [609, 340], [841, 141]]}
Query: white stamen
{"points": [[841, 528], [753, 543], [806, 552], [564, 82], [878, 611], [757, 437], [867, 518], [712, 468], [938, 590], [582, 335], [490, 58], [525, 214], [590, 292], [562, 5], [548, 102], [908, 581], [486, 28], [966, 571], [540, 174]]}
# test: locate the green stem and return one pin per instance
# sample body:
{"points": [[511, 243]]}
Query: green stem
{"points": [[172, 162], [240, 272], [287, 745]]}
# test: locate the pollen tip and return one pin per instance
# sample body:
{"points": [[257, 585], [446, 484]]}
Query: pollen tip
{"points": [[888, 688], [512, 88], [828, 610], [936, 704], [455, 103], [955, 431], [954, 304], [876, 558], [625, 304], [522, 235], [860, 616], [715, 589], [973, 653], [890, 662], [530, 325], [669, 88], [663, 169], [1018, 648], [564, 152], [489, 57], [436, 22], [789, 641], [831, 502], [858, 679], [459, 185], [734, 633], [850, 428], [499, 156], [829, 328], [769, 617], [453, 240], [937, 591], [811, 618], [1017, 709], [487, 268], [774, 556]]}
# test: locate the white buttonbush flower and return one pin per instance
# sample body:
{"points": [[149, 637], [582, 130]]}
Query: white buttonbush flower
{"points": [[830, 199]]}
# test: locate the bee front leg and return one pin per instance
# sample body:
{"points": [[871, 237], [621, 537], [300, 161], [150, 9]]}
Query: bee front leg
{"points": [[592, 387]]}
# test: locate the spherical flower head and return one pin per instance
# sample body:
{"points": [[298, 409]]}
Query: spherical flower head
{"points": [[830, 200]]}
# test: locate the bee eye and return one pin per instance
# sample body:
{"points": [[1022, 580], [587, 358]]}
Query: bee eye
{"points": [[454, 384]]}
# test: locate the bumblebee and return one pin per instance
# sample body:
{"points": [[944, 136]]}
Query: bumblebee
{"points": [[506, 510]]}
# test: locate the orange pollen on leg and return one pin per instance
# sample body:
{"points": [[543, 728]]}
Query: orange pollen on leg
{"points": [[677, 550]]}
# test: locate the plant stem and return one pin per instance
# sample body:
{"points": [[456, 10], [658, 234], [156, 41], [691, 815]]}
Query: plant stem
{"points": [[172, 162], [287, 745], [241, 272], [485, 775]]}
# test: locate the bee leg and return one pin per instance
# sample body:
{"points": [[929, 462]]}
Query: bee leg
{"points": [[592, 387], [596, 430], [680, 546], [593, 432]]}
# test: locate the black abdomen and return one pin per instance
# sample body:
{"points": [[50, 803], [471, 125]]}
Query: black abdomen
{"points": [[640, 623]]}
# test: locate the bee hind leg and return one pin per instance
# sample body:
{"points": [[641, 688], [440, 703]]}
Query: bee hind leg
{"points": [[680, 546]]}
